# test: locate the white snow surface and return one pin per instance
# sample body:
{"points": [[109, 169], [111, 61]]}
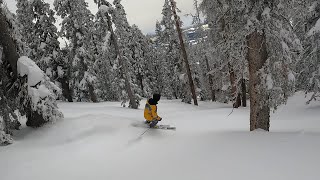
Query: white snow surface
{"points": [[104, 8], [97, 141]]}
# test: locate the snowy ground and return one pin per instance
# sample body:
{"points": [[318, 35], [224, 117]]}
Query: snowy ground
{"points": [[97, 141]]}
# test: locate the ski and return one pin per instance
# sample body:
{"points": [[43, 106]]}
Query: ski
{"points": [[168, 127], [159, 126]]}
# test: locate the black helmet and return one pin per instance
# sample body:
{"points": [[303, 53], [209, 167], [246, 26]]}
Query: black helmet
{"points": [[156, 97]]}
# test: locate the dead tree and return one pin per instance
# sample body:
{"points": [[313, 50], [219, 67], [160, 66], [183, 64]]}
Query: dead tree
{"points": [[184, 52]]}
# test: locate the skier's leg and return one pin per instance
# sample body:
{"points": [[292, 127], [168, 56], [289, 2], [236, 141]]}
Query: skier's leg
{"points": [[153, 123]]}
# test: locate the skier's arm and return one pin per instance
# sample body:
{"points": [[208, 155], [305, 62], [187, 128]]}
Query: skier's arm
{"points": [[154, 113]]}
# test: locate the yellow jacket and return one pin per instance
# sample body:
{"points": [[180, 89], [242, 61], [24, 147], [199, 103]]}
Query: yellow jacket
{"points": [[150, 112]]}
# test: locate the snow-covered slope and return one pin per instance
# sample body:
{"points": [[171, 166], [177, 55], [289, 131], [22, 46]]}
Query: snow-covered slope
{"points": [[98, 142]]}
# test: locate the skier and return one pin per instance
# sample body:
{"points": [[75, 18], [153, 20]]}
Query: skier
{"points": [[150, 111]]}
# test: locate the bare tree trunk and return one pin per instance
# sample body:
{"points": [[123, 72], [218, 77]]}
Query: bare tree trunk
{"points": [[184, 52], [92, 94], [235, 96], [244, 92], [257, 56], [65, 79], [213, 93], [140, 79], [66, 92], [123, 65]]}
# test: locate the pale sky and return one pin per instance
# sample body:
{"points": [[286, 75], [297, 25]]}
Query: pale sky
{"points": [[143, 13]]}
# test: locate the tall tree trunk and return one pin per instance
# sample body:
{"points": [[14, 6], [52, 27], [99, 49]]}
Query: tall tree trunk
{"points": [[92, 94], [8, 45], [9, 72], [140, 79], [184, 52], [257, 57], [235, 96], [213, 93], [244, 92], [66, 91], [122, 63]]}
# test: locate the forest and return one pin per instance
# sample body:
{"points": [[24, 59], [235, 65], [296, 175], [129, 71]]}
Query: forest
{"points": [[260, 51]]}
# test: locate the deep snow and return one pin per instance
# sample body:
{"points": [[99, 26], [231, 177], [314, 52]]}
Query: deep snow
{"points": [[97, 141]]}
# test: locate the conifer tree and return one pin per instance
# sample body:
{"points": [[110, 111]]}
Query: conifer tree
{"points": [[105, 54], [8, 75], [142, 56], [44, 45], [184, 52], [173, 75], [271, 52], [124, 33], [77, 27], [308, 67], [24, 87], [25, 17]]}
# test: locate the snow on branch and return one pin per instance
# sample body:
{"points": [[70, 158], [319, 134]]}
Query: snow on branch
{"points": [[315, 29], [42, 93]]}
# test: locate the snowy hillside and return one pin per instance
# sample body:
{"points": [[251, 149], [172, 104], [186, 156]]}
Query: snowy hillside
{"points": [[98, 141]]}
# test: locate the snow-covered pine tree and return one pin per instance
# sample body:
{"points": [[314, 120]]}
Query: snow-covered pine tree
{"points": [[197, 55], [228, 47], [173, 75], [24, 86], [25, 19], [107, 88], [37, 94], [142, 55], [272, 47], [36, 21], [8, 75], [158, 67], [45, 45], [198, 52], [309, 66], [124, 39], [77, 27]]}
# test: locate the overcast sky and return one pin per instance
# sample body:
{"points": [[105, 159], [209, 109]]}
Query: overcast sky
{"points": [[143, 13]]}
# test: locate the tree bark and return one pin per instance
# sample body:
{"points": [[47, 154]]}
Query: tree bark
{"points": [[65, 79], [244, 92], [140, 79], [257, 57], [92, 94], [213, 93], [235, 96], [8, 45], [66, 92], [184, 52]]}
